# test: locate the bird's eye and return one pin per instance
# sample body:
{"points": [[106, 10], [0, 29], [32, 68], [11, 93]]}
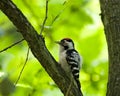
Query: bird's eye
{"points": [[62, 41]]}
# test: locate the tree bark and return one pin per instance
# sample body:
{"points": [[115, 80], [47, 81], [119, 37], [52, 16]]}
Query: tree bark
{"points": [[39, 50], [111, 20]]}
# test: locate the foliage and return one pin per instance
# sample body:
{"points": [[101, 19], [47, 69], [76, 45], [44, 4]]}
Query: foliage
{"points": [[76, 19]]}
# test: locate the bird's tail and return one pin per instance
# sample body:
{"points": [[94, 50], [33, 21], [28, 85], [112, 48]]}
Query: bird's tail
{"points": [[78, 83], [79, 86]]}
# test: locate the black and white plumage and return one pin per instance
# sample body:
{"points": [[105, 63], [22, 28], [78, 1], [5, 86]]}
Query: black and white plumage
{"points": [[69, 58]]}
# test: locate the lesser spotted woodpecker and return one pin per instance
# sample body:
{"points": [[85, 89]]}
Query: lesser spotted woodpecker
{"points": [[69, 58]]}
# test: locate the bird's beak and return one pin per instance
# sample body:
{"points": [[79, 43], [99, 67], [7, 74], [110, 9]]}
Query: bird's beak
{"points": [[58, 42]]}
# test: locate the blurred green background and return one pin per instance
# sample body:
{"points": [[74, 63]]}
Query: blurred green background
{"points": [[76, 19]]}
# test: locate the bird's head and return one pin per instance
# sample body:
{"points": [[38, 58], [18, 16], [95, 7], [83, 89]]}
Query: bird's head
{"points": [[66, 43]]}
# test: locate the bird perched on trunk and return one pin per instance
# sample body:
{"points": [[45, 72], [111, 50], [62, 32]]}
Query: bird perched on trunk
{"points": [[69, 58]]}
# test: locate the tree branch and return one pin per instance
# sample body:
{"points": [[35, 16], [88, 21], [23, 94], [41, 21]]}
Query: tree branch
{"points": [[38, 48]]}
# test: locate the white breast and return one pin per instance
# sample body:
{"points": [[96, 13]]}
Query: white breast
{"points": [[63, 62]]}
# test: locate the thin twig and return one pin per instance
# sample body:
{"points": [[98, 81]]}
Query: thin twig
{"points": [[58, 15], [46, 15], [55, 18], [11, 46], [22, 68]]}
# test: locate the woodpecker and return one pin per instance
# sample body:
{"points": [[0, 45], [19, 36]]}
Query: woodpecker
{"points": [[69, 58]]}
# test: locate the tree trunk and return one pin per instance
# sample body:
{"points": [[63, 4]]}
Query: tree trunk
{"points": [[110, 14]]}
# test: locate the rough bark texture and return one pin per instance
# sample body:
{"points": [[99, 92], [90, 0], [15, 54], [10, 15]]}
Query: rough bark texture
{"points": [[111, 20], [38, 48]]}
